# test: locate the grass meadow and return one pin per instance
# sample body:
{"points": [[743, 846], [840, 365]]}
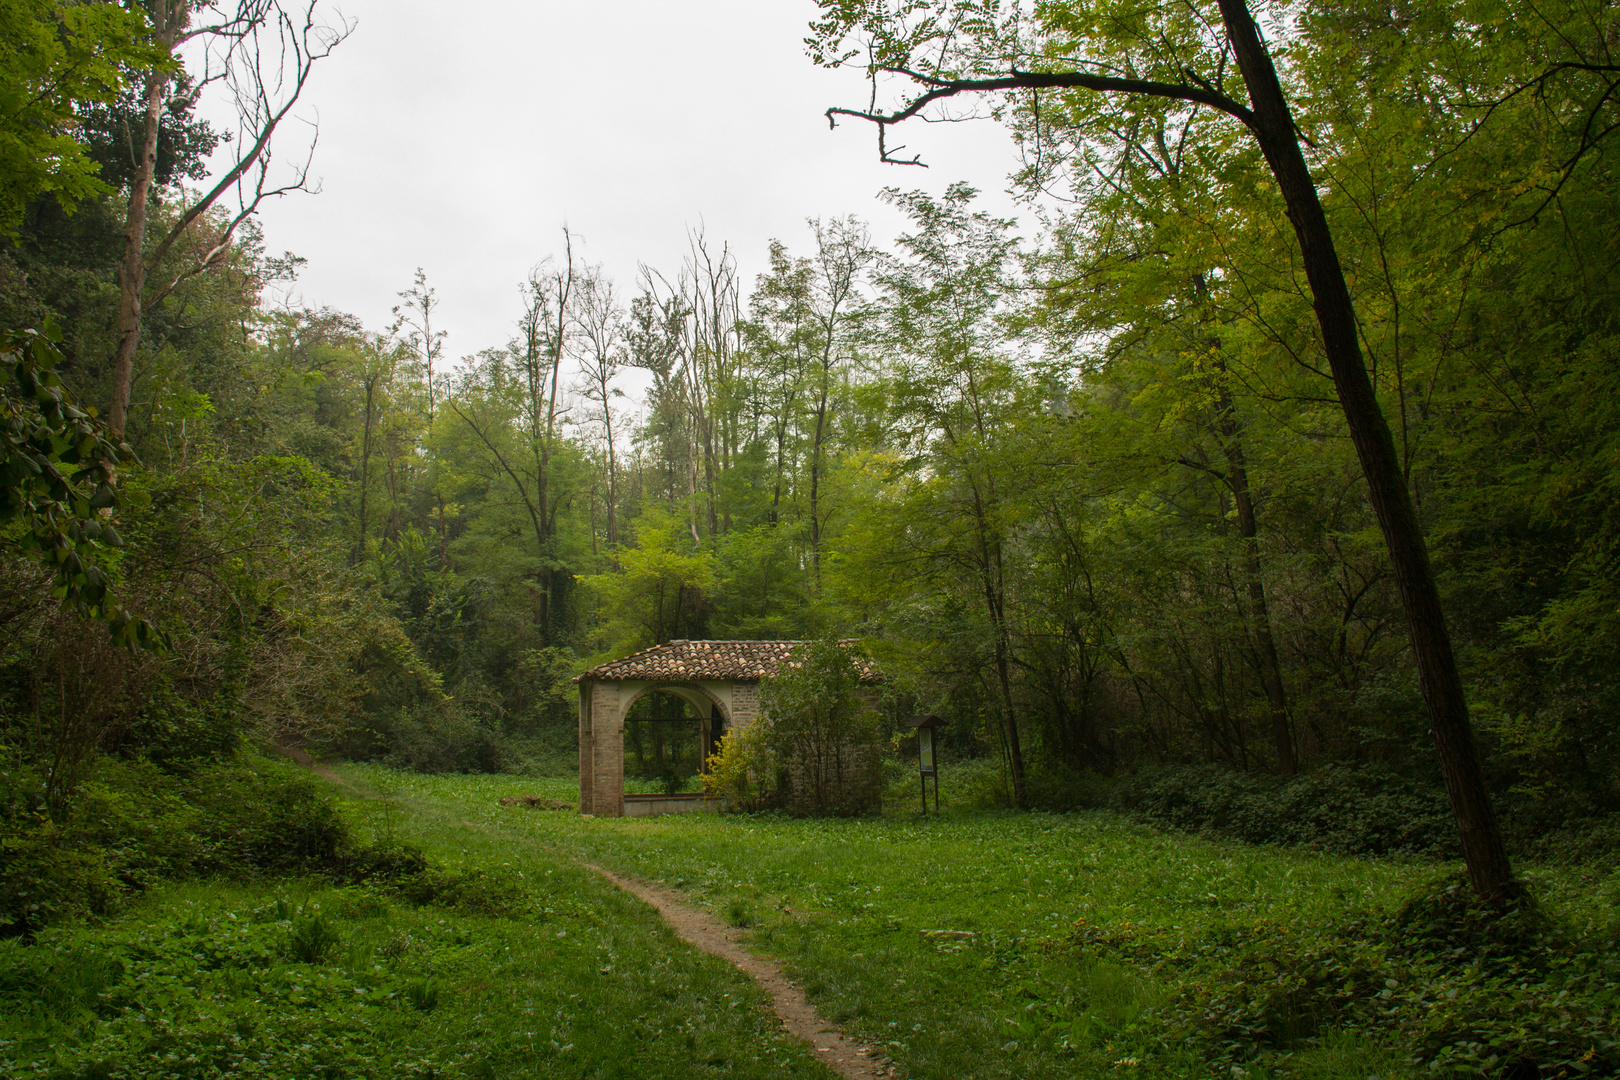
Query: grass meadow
{"points": [[986, 944], [1047, 984]]}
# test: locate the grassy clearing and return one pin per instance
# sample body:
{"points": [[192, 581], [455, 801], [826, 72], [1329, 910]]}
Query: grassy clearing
{"points": [[978, 945], [509, 962], [1080, 926]]}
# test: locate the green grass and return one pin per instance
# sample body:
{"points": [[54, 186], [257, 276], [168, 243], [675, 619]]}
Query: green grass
{"points": [[847, 905], [521, 965], [973, 945]]}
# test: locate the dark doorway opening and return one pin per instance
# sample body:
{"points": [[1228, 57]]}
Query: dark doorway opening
{"points": [[667, 744]]}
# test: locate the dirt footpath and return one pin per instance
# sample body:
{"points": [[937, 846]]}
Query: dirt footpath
{"points": [[699, 928], [798, 1016]]}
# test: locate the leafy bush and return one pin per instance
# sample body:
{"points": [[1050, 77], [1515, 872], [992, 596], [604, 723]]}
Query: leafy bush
{"points": [[814, 747], [50, 983], [743, 770], [1353, 811], [1470, 990], [175, 731], [964, 784], [422, 994], [46, 875], [1581, 841], [134, 824], [470, 891], [439, 738], [311, 938]]}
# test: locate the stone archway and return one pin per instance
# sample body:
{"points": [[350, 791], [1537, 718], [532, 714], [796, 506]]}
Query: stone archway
{"points": [[694, 694], [715, 676], [707, 712], [603, 708]]}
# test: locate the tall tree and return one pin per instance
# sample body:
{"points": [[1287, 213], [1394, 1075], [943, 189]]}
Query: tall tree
{"points": [[937, 325], [600, 324], [1180, 57], [842, 250], [414, 316]]}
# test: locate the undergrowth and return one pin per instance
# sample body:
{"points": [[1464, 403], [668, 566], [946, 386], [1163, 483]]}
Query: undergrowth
{"points": [[455, 956], [1466, 988]]}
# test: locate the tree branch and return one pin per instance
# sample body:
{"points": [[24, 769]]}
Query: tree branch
{"points": [[1198, 93]]}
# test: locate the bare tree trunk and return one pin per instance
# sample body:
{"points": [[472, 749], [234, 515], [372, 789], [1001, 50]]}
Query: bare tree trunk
{"points": [[132, 267], [365, 467], [263, 98], [1489, 869], [613, 484], [1237, 478], [815, 484], [994, 583]]}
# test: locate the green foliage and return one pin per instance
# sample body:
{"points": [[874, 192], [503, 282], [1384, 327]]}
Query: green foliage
{"points": [[815, 746], [47, 875], [57, 57], [657, 592], [1353, 811], [1095, 940], [743, 770], [312, 938], [1470, 990], [473, 891], [422, 994], [135, 825], [439, 737], [57, 475], [207, 979]]}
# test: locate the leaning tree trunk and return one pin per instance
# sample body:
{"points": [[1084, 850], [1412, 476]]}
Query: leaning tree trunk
{"points": [[1489, 870]]}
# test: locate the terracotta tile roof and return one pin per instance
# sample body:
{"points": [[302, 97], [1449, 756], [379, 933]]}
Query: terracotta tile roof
{"points": [[691, 661]]}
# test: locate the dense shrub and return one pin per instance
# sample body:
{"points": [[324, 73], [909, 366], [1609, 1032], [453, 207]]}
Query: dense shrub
{"points": [[134, 823], [439, 738], [1470, 990], [1579, 841], [815, 747], [1353, 811], [964, 784]]}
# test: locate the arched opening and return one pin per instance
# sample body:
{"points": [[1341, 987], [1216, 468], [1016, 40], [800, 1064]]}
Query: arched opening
{"points": [[669, 734]]}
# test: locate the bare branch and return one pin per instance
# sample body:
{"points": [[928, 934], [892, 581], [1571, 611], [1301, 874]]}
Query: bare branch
{"points": [[259, 113], [1199, 92]]}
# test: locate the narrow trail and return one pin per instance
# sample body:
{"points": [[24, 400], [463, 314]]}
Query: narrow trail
{"points": [[698, 928], [798, 1016], [318, 768]]}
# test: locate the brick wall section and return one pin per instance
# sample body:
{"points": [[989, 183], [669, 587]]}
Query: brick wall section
{"points": [[854, 778], [607, 752], [587, 752], [744, 704]]}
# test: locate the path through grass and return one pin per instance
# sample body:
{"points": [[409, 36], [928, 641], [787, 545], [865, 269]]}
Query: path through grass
{"points": [[855, 908], [518, 964]]}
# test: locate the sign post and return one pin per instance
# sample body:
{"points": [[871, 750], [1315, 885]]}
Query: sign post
{"points": [[927, 760]]}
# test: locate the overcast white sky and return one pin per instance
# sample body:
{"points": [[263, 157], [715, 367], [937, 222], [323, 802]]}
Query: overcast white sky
{"points": [[461, 137]]}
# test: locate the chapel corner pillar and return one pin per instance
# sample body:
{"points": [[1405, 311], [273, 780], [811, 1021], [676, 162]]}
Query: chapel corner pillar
{"points": [[587, 753], [601, 765]]}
